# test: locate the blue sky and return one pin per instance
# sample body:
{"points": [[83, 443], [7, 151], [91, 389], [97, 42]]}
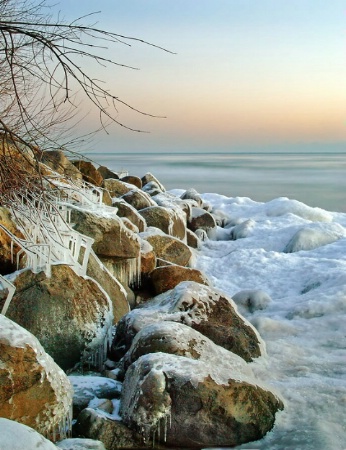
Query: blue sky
{"points": [[247, 74]]}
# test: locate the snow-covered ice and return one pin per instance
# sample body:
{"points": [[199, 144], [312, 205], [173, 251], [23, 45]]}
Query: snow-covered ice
{"points": [[303, 319]]}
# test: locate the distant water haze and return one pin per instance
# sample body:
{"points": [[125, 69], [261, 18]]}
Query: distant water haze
{"points": [[316, 179]]}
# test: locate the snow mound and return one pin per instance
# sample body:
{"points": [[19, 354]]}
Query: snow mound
{"points": [[251, 300], [80, 444], [16, 436], [314, 236], [242, 230], [281, 206]]}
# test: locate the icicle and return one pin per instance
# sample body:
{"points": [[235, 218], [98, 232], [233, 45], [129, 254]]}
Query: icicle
{"points": [[165, 429]]}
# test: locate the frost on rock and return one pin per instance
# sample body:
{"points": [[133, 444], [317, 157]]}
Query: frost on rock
{"points": [[95, 354], [181, 340], [165, 395], [56, 419], [201, 308]]}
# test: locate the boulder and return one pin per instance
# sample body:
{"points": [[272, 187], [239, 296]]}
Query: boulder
{"points": [[195, 403], [111, 238], [129, 225], [192, 194], [33, 389], [148, 258], [170, 221], [57, 160], [192, 239], [170, 249], [152, 188], [131, 213], [131, 179], [106, 198], [7, 265], [138, 199], [106, 173], [165, 278], [202, 308], [116, 187], [110, 284], [168, 200], [178, 339], [70, 315], [201, 220], [111, 432], [148, 177], [89, 172], [16, 436]]}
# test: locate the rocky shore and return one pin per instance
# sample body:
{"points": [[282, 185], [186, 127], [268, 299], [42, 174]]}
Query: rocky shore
{"points": [[127, 341]]}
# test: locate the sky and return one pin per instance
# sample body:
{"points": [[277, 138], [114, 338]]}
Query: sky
{"points": [[245, 74]]}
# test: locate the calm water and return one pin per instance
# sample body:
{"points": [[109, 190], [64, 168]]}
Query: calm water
{"points": [[317, 179]]}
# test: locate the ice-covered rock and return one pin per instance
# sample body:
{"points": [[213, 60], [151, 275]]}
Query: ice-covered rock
{"points": [[111, 237], [126, 210], [200, 307], [201, 220], [169, 248], [89, 172], [112, 432], [58, 161], [70, 315], [179, 339], [7, 262], [165, 278], [115, 187], [132, 179], [170, 221], [148, 177], [138, 199], [33, 389], [192, 403]]}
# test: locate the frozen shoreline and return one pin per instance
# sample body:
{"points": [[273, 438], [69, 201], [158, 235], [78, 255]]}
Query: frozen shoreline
{"points": [[303, 325]]}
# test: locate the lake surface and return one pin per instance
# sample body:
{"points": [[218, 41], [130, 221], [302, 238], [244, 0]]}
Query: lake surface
{"points": [[317, 179]]}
